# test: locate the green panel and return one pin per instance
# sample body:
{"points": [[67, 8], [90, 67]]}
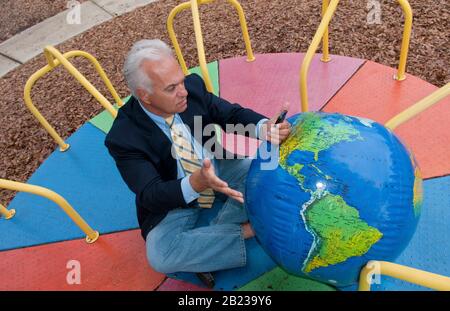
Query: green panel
{"points": [[279, 280], [213, 69], [104, 120]]}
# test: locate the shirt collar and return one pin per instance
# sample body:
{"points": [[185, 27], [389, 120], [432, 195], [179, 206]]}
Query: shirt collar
{"points": [[160, 121]]}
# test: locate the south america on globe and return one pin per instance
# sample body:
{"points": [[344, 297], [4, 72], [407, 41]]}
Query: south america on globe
{"points": [[343, 191]]}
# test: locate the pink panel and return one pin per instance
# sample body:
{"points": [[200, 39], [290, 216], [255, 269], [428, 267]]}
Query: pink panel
{"points": [[175, 285], [271, 79], [274, 78], [239, 144]]}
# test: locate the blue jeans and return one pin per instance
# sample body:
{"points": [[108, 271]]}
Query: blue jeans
{"points": [[176, 245]]}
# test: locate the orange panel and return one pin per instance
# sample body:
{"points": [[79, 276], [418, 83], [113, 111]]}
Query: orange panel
{"points": [[373, 93], [115, 262]]}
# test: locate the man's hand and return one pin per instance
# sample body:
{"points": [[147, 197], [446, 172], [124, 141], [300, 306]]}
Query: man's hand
{"points": [[207, 178], [276, 133]]}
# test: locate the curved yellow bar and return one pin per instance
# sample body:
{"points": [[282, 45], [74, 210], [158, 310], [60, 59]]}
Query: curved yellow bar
{"points": [[8, 214], [99, 70], [54, 59], [51, 54], [328, 10], [91, 235], [198, 35], [29, 103], [325, 49], [407, 11], [173, 36], [418, 107], [200, 47], [312, 50], [243, 22], [419, 277]]}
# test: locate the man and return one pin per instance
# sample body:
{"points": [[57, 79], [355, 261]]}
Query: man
{"points": [[171, 171]]}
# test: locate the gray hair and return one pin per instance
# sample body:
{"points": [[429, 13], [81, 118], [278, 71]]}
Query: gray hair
{"points": [[151, 50]]}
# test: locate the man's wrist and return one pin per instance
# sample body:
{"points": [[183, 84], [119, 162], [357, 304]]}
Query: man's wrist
{"points": [[189, 194], [196, 182]]}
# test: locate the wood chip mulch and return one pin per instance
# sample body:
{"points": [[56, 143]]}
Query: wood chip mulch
{"points": [[274, 26]]}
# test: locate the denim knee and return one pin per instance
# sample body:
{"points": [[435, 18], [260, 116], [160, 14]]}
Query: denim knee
{"points": [[160, 262], [157, 253]]}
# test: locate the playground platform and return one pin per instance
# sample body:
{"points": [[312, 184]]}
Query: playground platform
{"points": [[40, 244], [40, 240]]}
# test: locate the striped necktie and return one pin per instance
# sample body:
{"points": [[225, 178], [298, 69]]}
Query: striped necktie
{"points": [[189, 160]]}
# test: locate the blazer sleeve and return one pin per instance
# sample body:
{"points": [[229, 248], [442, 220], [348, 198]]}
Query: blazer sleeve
{"points": [[223, 112], [141, 176]]}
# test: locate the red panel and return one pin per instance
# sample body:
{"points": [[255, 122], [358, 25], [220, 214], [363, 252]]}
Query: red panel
{"points": [[115, 262], [271, 79], [373, 93], [176, 285]]}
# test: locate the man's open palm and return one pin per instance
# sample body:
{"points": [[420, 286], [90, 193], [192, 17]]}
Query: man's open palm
{"points": [[209, 176]]}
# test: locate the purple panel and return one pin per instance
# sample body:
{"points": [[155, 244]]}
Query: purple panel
{"points": [[175, 285], [274, 78]]}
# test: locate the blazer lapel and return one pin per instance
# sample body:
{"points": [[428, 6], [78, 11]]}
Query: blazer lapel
{"points": [[156, 138], [188, 119]]}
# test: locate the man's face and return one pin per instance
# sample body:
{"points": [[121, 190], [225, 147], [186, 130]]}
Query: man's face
{"points": [[169, 94]]}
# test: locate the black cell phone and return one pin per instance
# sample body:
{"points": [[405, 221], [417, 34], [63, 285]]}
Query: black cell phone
{"points": [[281, 117]]}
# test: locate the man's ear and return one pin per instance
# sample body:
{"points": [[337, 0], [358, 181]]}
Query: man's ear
{"points": [[143, 95]]}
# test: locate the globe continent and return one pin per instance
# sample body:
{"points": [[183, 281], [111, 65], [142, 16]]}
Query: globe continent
{"points": [[340, 191]]}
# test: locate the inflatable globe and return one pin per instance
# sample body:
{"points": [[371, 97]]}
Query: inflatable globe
{"points": [[341, 191]]}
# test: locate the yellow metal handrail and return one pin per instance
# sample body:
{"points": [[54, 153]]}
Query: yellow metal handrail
{"points": [[418, 107], [328, 9], [312, 50], [416, 276], [7, 214], [193, 4], [407, 28], [325, 49], [91, 235], [54, 59]]}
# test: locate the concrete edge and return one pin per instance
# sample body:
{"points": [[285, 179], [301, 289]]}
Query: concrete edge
{"points": [[29, 43]]}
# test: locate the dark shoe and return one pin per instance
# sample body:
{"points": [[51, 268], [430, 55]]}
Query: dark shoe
{"points": [[206, 278]]}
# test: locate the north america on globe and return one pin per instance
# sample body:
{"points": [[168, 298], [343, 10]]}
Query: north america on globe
{"points": [[336, 227]]}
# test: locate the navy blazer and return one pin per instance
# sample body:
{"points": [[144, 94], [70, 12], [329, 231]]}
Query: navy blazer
{"points": [[143, 152]]}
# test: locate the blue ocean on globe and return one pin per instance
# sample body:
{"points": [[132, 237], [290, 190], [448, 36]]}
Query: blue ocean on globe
{"points": [[338, 192]]}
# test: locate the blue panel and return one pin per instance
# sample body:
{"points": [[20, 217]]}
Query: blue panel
{"points": [[87, 177], [258, 263], [429, 248]]}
